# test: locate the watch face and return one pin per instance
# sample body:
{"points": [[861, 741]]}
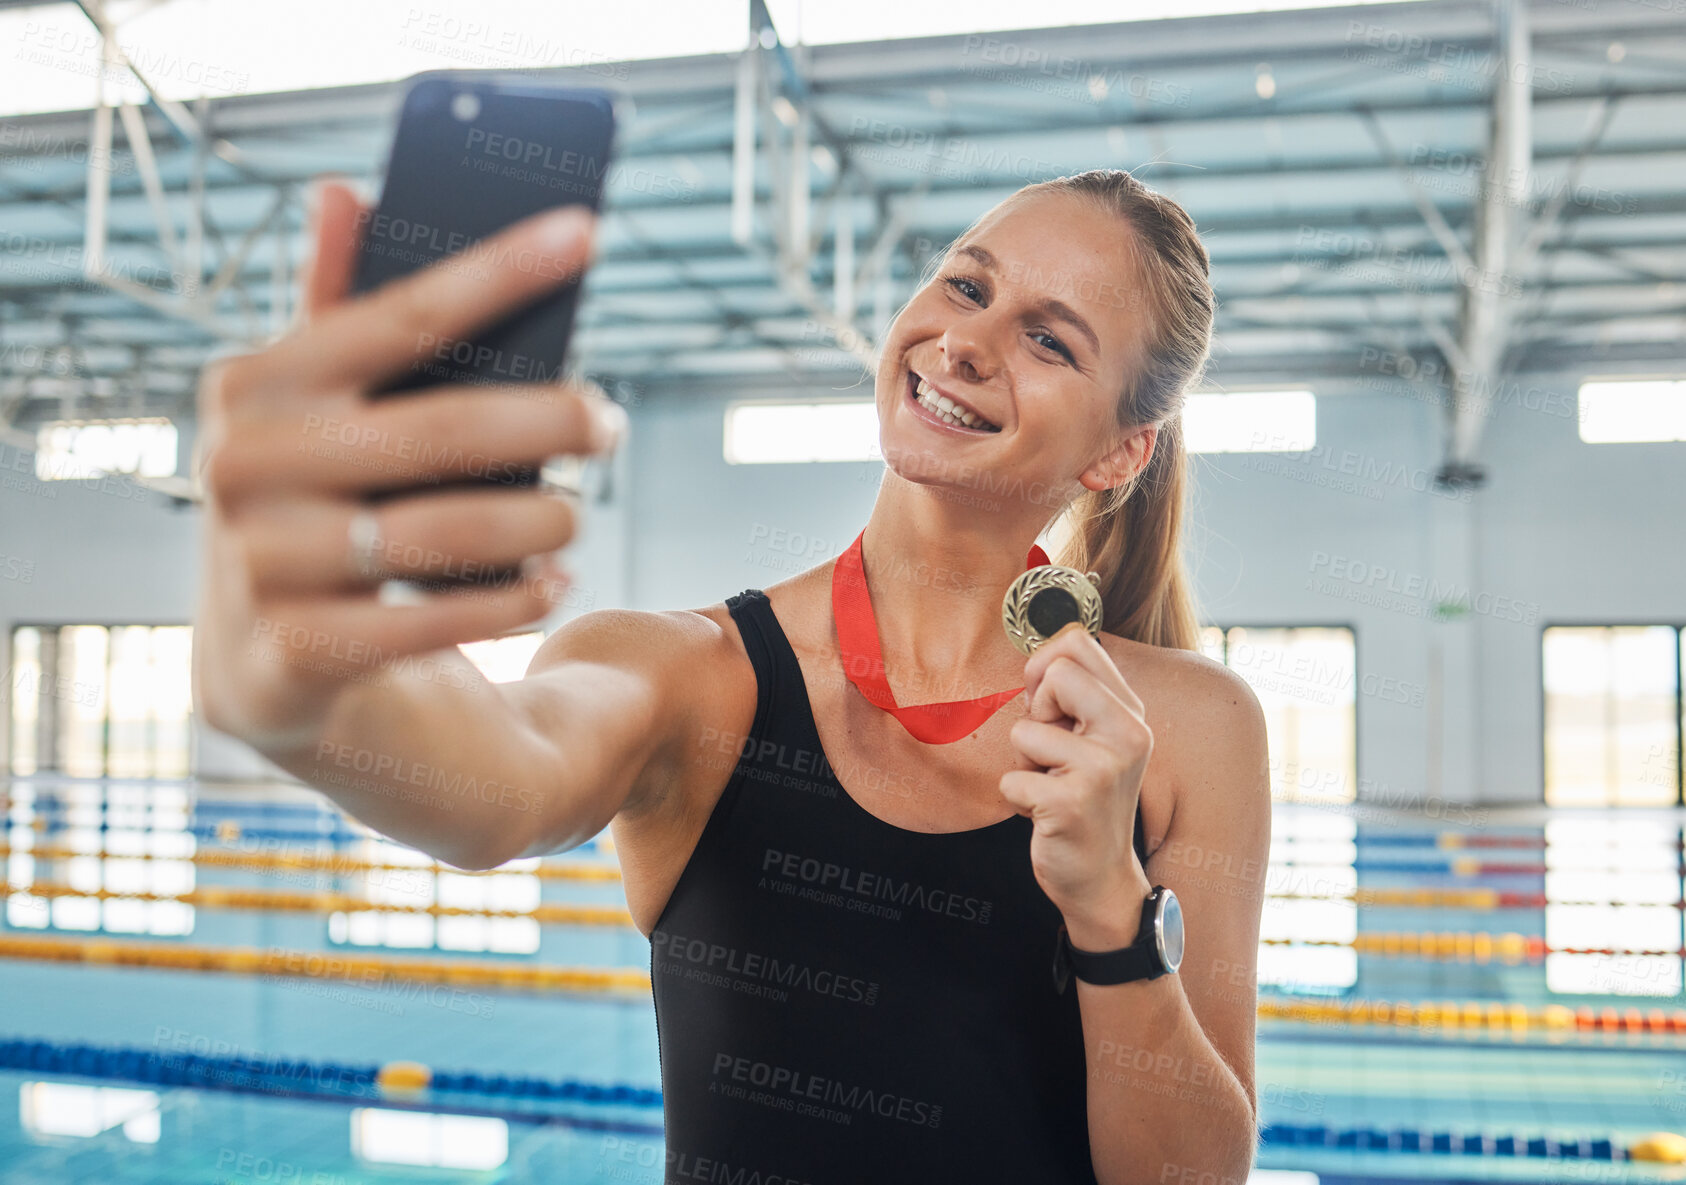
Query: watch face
{"points": [[1169, 925]]}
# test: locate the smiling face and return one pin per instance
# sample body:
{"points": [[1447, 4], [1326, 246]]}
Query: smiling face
{"points": [[1012, 360]]}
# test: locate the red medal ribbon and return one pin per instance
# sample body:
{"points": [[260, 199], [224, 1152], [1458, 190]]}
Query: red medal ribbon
{"points": [[863, 659]]}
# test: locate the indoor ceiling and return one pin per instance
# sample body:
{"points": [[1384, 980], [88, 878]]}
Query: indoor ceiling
{"points": [[1306, 144]]}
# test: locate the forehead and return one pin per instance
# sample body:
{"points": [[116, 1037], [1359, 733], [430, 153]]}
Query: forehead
{"points": [[1066, 248]]}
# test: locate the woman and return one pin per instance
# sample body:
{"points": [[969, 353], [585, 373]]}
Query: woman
{"points": [[855, 907]]}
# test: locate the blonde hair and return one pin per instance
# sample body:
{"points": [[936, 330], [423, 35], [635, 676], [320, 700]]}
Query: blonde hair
{"points": [[1131, 534]]}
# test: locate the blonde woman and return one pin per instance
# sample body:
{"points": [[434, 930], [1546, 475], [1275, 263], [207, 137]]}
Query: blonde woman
{"points": [[920, 909]]}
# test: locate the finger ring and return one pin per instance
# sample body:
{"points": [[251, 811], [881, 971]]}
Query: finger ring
{"points": [[365, 536]]}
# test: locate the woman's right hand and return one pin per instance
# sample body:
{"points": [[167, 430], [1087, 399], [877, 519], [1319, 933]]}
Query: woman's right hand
{"points": [[290, 444]]}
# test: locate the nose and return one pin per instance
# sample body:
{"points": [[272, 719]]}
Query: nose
{"points": [[970, 347]]}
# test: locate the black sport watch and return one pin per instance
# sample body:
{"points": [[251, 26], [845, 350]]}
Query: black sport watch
{"points": [[1157, 950]]}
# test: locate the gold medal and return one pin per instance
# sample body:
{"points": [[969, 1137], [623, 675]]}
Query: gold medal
{"points": [[1046, 599]]}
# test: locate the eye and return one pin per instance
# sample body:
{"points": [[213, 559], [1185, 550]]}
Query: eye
{"points": [[960, 284], [973, 291], [1058, 347]]}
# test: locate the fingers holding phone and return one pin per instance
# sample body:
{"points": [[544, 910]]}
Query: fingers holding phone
{"points": [[474, 153], [424, 329], [322, 482], [296, 449], [336, 218]]}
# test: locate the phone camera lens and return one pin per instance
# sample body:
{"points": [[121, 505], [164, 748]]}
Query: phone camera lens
{"points": [[465, 106]]}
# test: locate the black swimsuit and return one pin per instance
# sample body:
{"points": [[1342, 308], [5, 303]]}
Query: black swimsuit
{"points": [[840, 1000]]}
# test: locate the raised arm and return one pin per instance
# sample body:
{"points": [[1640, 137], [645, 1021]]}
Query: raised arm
{"points": [[1172, 1098], [478, 773], [295, 653]]}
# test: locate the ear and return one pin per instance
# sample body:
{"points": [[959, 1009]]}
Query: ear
{"points": [[1124, 462]]}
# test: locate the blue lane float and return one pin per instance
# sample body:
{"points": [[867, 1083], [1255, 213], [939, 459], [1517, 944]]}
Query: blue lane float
{"points": [[300, 1078], [524, 1095], [227, 831], [48, 802], [1442, 1143]]}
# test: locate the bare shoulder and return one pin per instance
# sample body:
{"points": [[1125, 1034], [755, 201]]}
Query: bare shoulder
{"points": [[1169, 666], [1184, 681], [658, 638], [687, 656], [657, 676], [1207, 723]]}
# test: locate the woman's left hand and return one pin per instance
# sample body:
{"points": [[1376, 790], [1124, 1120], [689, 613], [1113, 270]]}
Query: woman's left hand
{"points": [[1082, 750]]}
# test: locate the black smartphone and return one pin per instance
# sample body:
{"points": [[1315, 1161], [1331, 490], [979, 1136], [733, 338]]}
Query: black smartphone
{"points": [[474, 152]]}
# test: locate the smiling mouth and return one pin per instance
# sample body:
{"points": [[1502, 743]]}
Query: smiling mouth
{"points": [[945, 409]]}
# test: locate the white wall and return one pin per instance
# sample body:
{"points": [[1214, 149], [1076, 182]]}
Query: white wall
{"points": [[110, 552], [1563, 532]]}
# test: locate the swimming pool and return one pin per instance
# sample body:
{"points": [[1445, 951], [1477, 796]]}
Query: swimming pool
{"points": [[258, 1071]]}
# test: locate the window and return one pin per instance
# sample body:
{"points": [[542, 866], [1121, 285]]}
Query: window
{"points": [[82, 839], [1628, 411], [1612, 715], [423, 1138], [1309, 898], [505, 659], [99, 701], [66, 1109], [69, 450], [1612, 884], [1250, 422], [1612, 708], [770, 431], [765, 432], [1304, 677], [514, 887]]}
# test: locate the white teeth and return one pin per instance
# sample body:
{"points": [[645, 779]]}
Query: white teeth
{"points": [[948, 411]]}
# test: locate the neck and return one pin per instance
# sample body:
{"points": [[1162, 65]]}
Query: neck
{"points": [[937, 568]]}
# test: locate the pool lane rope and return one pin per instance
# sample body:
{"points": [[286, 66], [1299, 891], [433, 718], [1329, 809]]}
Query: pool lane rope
{"points": [[174, 1068], [1460, 946], [281, 901], [1480, 900], [354, 970], [231, 831], [1491, 1015], [417, 1087], [335, 864], [1658, 1147], [397, 1085], [325, 863], [373, 972]]}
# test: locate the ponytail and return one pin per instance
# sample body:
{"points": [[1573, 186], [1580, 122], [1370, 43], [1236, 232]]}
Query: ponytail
{"points": [[1130, 535]]}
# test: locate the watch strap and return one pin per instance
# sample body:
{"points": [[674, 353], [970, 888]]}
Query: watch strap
{"points": [[1116, 966], [1139, 960]]}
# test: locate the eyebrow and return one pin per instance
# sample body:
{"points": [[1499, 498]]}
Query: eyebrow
{"points": [[1056, 307]]}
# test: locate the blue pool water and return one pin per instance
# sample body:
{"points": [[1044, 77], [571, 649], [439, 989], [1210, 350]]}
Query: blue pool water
{"points": [[1559, 1085]]}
